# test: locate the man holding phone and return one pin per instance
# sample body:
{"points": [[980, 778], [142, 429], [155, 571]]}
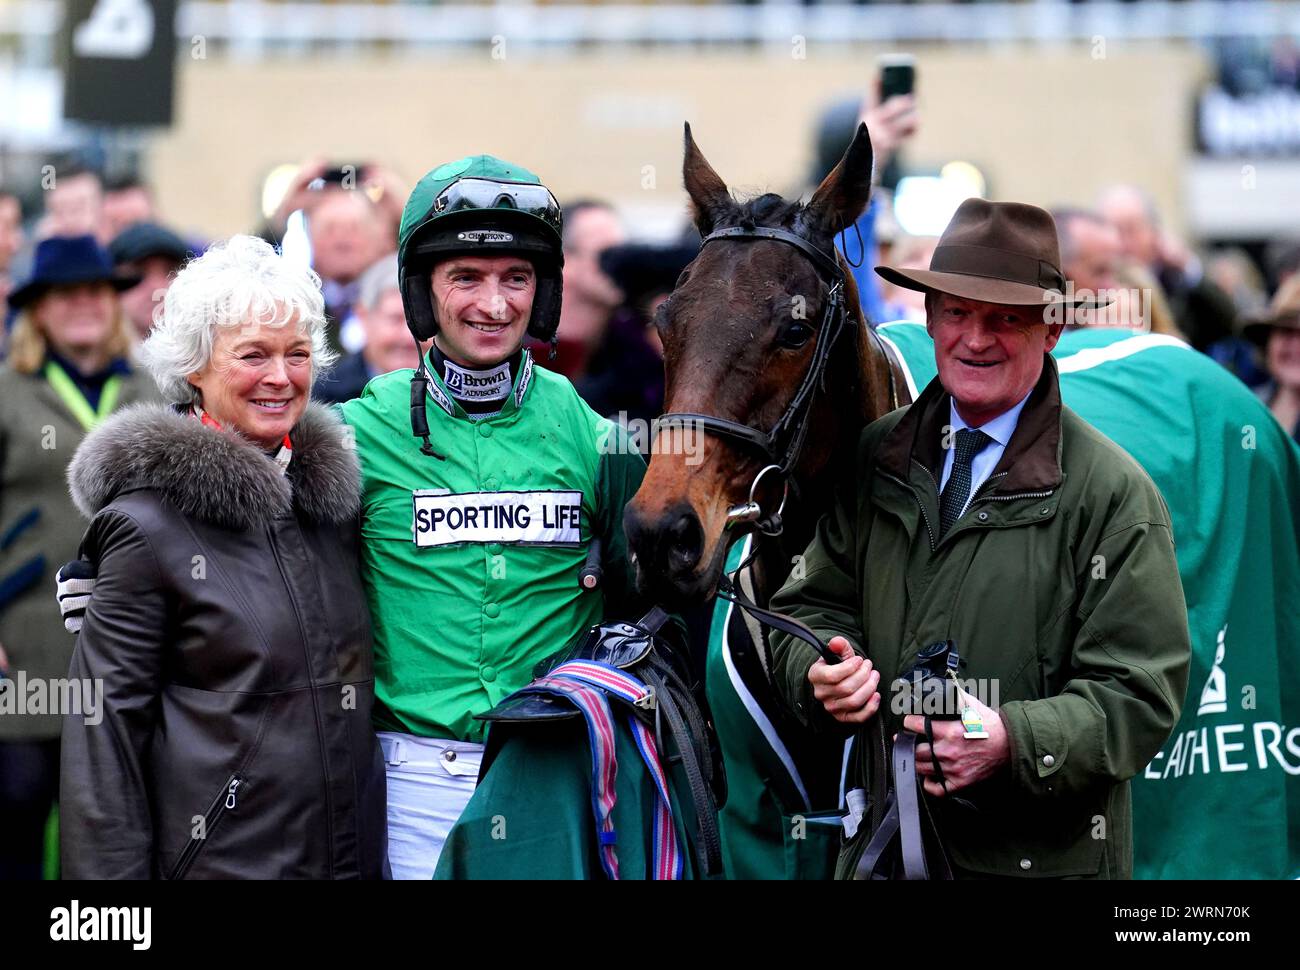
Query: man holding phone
{"points": [[351, 211], [889, 110]]}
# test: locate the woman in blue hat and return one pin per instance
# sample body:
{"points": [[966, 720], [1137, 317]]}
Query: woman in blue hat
{"points": [[68, 368]]}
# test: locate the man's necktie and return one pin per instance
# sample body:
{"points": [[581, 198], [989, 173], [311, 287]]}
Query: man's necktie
{"points": [[969, 443]]}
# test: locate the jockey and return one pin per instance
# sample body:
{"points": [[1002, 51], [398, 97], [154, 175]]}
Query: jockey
{"points": [[475, 531]]}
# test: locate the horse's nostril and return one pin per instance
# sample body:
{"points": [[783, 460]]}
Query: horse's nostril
{"points": [[667, 545], [685, 542]]}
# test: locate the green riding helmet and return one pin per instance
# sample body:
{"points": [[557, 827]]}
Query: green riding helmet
{"points": [[480, 206]]}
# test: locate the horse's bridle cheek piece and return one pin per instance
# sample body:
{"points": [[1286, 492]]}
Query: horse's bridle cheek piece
{"points": [[752, 511], [780, 446]]}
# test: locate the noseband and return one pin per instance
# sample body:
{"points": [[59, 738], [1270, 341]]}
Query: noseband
{"points": [[780, 446]]}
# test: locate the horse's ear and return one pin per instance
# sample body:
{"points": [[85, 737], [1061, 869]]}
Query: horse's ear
{"points": [[710, 200], [845, 192]]}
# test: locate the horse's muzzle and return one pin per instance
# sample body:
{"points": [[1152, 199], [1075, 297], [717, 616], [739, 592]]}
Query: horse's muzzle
{"points": [[667, 551]]}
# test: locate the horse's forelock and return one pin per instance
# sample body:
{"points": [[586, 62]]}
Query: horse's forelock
{"points": [[769, 210]]}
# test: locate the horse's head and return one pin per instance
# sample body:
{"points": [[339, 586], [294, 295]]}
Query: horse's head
{"points": [[739, 333]]}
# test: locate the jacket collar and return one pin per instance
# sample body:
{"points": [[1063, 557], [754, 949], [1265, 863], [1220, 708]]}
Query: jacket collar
{"points": [[1030, 462], [119, 366], [522, 380], [218, 477]]}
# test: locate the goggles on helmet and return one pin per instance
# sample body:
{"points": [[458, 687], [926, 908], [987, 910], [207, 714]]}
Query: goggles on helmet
{"points": [[527, 197]]}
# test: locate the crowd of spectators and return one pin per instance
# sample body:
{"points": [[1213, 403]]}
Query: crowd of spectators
{"points": [[345, 219]]}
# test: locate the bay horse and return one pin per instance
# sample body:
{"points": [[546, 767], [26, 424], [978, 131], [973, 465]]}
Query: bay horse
{"points": [[739, 337], [768, 356]]}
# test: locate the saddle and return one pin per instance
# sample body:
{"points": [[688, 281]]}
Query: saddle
{"points": [[629, 668]]}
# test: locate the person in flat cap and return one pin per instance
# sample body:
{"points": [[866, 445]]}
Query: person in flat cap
{"points": [[151, 254], [67, 369], [1277, 332], [990, 524]]}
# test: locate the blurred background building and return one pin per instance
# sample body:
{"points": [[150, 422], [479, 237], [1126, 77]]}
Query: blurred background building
{"points": [[1049, 100], [202, 115]]}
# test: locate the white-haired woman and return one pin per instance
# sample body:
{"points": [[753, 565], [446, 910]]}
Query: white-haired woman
{"points": [[228, 625]]}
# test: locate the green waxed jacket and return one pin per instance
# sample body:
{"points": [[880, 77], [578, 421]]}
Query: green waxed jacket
{"points": [[459, 626], [1059, 586]]}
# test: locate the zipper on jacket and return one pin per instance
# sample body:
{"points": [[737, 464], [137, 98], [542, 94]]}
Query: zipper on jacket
{"points": [[919, 504], [1017, 494], [224, 801], [1004, 498], [227, 799], [1008, 498], [987, 482], [315, 699], [980, 497]]}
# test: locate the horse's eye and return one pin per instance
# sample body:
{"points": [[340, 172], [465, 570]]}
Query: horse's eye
{"points": [[795, 335]]}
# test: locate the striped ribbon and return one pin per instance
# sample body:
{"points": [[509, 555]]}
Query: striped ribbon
{"points": [[584, 683]]}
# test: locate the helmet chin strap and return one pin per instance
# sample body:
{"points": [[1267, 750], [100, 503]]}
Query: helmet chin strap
{"points": [[420, 382], [419, 415]]}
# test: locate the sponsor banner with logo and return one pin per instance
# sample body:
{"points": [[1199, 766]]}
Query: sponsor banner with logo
{"points": [[441, 518], [1221, 799], [478, 385]]}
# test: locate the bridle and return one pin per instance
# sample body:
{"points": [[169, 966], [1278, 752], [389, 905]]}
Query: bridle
{"points": [[780, 446]]}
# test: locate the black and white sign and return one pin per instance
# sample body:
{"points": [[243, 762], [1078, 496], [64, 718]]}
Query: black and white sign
{"points": [[121, 61], [441, 518]]}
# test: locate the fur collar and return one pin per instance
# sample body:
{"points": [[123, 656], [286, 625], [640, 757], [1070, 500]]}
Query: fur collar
{"points": [[218, 477]]}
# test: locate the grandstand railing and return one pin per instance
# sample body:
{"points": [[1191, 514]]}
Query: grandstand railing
{"points": [[252, 25]]}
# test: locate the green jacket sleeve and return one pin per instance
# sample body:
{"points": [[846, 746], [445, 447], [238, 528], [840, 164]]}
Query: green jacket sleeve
{"points": [[618, 477], [823, 592], [1130, 666]]}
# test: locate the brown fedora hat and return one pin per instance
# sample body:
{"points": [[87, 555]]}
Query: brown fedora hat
{"points": [[1283, 312], [994, 252]]}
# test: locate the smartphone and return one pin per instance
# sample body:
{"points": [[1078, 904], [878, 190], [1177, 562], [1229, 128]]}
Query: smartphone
{"points": [[343, 172], [349, 176], [897, 75]]}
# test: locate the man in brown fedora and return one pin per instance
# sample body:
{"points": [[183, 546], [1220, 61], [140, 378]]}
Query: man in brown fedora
{"points": [[989, 518]]}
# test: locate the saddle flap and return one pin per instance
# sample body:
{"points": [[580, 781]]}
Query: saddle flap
{"points": [[520, 707], [620, 645]]}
